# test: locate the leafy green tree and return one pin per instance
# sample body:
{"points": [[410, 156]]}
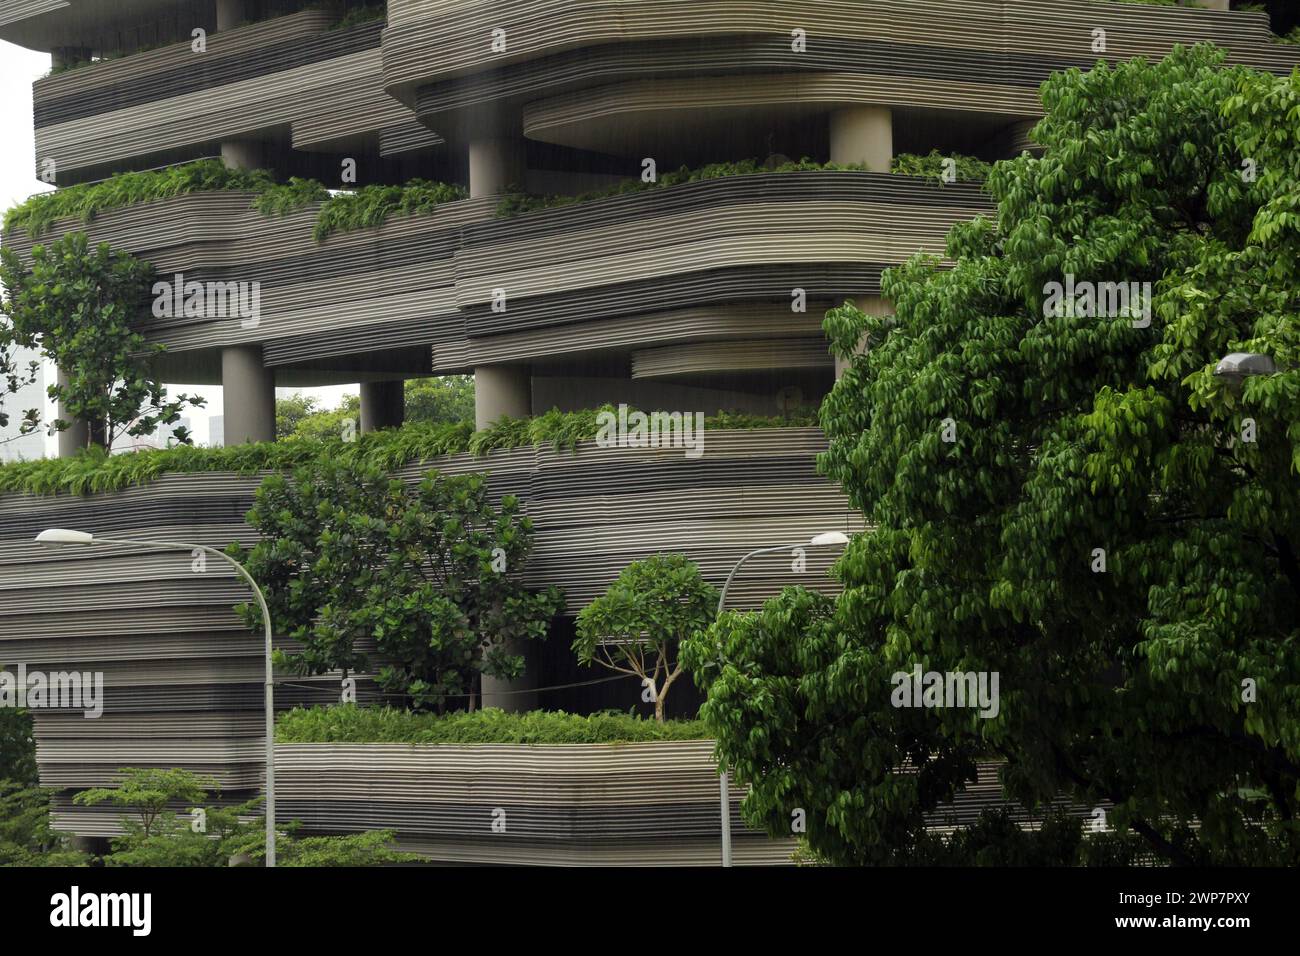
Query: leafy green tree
{"points": [[76, 305], [344, 421], [447, 398], [17, 746], [147, 792], [26, 838], [637, 626], [431, 571], [289, 412], [1072, 501], [156, 835]]}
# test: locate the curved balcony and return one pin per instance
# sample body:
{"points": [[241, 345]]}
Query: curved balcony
{"points": [[292, 77], [976, 55], [710, 260]]}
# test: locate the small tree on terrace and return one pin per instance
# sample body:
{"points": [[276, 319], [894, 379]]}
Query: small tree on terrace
{"points": [[430, 571], [636, 626], [76, 305]]}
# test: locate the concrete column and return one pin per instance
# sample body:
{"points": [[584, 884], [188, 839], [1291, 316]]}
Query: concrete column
{"points": [[501, 390], [872, 305], [495, 164], [514, 696], [383, 405], [62, 56], [230, 14], [248, 394], [242, 154], [863, 134], [73, 438]]}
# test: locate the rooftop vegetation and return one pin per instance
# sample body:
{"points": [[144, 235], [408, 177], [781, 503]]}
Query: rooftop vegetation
{"points": [[348, 723], [93, 471]]}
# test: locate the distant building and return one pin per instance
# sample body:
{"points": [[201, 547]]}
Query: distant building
{"points": [[14, 446]]}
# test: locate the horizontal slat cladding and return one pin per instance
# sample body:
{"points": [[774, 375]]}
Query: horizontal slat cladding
{"points": [[983, 76], [442, 41], [737, 238], [325, 87], [696, 250], [182, 676], [704, 357], [14, 11], [283, 44]]}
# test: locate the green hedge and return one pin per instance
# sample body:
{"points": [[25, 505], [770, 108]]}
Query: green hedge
{"points": [[929, 166], [86, 200], [92, 471], [348, 209], [348, 723]]}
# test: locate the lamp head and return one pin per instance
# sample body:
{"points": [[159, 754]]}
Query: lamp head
{"points": [[828, 538], [1236, 367], [64, 536]]}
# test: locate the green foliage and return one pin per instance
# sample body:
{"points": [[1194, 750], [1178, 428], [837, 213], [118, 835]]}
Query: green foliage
{"points": [[359, 15], [145, 793], [17, 746], [429, 571], [932, 166], [26, 838], [362, 208], [439, 400], [86, 200], [156, 834], [93, 472], [299, 416], [372, 206], [516, 203], [280, 199], [348, 723], [637, 626], [1073, 433], [76, 305]]}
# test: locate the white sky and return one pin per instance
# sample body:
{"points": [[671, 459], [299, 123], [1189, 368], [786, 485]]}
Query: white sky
{"points": [[19, 68]]}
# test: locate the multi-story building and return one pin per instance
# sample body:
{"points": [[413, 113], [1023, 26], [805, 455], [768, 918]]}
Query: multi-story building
{"points": [[702, 296]]}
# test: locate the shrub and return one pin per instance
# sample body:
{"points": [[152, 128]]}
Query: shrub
{"points": [[348, 723]]}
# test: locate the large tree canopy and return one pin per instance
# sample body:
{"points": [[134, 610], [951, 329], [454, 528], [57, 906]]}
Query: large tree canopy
{"points": [[1005, 456]]}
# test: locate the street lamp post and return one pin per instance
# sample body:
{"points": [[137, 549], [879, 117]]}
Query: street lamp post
{"points": [[827, 539], [65, 536]]}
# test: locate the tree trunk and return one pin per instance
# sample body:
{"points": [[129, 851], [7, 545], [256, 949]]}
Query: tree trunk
{"points": [[659, 705]]}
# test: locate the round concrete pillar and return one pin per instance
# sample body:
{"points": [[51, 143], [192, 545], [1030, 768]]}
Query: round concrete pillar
{"points": [[496, 163], [514, 696], [501, 390], [872, 305], [230, 14], [863, 134], [73, 438], [63, 56], [383, 405], [248, 395], [242, 154]]}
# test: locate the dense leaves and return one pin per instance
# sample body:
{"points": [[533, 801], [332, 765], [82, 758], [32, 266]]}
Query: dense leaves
{"points": [[347, 723], [429, 571], [637, 626], [1111, 528]]}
